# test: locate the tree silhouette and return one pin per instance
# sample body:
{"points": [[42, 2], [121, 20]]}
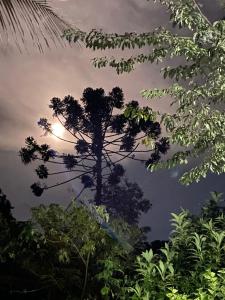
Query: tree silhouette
{"points": [[101, 140], [197, 123], [125, 200], [5, 207]]}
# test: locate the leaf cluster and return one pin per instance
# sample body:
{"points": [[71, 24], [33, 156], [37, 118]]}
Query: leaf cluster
{"points": [[197, 94], [191, 265], [62, 249]]}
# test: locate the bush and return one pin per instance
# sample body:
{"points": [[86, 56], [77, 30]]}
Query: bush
{"points": [[61, 252], [191, 265]]}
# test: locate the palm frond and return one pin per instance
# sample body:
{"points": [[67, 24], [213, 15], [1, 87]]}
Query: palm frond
{"points": [[30, 22]]}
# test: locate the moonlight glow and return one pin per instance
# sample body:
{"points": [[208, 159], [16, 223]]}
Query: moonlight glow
{"points": [[57, 130]]}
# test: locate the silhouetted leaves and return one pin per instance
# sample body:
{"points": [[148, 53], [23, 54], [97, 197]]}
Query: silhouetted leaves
{"points": [[81, 147], [145, 125], [127, 143], [113, 179], [155, 129], [45, 125], [57, 106], [37, 189], [27, 155], [117, 123], [73, 112], [42, 172], [70, 161], [126, 200], [116, 174], [133, 104], [32, 149], [119, 170], [100, 138], [87, 181], [117, 97], [5, 207], [163, 145], [155, 157], [46, 153]]}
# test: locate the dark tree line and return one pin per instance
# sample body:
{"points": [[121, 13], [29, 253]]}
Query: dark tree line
{"points": [[5, 207]]}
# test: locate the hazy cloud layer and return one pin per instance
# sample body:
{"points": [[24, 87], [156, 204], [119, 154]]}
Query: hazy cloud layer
{"points": [[28, 82]]}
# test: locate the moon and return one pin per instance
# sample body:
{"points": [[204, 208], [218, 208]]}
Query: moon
{"points": [[57, 130]]}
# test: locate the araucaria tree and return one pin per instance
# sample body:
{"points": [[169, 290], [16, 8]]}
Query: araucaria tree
{"points": [[101, 139], [197, 125]]}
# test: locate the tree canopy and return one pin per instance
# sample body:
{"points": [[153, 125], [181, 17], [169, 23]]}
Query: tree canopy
{"points": [[197, 125], [101, 138], [125, 200]]}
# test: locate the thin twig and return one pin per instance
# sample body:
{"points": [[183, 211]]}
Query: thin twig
{"points": [[201, 13]]}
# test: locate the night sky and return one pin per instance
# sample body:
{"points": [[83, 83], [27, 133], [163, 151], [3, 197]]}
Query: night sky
{"points": [[29, 81]]}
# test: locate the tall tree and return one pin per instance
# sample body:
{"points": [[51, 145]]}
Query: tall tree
{"points": [[101, 139], [197, 125], [30, 20]]}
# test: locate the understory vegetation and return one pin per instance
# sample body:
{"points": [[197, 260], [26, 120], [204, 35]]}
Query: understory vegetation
{"points": [[81, 253]]}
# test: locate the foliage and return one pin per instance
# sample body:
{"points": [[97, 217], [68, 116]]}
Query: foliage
{"points": [[77, 242], [197, 125], [125, 200], [5, 207], [27, 22], [17, 243], [70, 254], [101, 139], [191, 265], [59, 253]]}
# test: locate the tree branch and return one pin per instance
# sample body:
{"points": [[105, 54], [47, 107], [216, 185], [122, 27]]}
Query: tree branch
{"points": [[67, 171], [73, 134], [125, 156], [112, 135], [66, 181], [201, 13], [64, 140]]}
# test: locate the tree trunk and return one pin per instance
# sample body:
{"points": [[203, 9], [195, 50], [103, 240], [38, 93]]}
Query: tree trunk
{"points": [[98, 153], [98, 195]]}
